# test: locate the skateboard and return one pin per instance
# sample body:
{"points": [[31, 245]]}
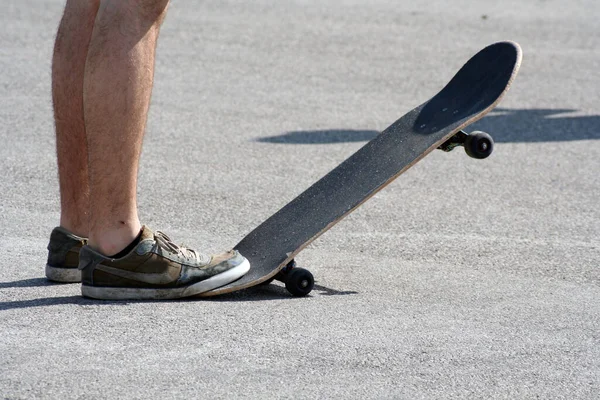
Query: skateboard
{"points": [[438, 123]]}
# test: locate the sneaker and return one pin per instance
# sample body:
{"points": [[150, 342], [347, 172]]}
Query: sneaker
{"points": [[157, 268], [63, 256]]}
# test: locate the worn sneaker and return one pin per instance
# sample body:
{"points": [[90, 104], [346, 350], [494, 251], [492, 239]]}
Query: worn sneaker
{"points": [[63, 256], [157, 269]]}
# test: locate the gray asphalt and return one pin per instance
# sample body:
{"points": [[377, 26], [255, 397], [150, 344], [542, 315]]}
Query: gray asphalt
{"points": [[462, 279]]}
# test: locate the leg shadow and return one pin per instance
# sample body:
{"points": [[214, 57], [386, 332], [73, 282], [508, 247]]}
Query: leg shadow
{"points": [[321, 136], [505, 125]]}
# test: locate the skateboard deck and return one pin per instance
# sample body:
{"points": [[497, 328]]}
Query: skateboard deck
{"points": [[475, 90]]}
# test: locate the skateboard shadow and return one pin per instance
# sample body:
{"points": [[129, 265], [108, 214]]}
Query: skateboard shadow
{"points": [[505, 125], [274, 292], [325, 291], [538, 125], [256, 293]]}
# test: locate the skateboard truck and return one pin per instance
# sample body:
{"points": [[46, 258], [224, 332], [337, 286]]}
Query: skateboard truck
{"points": [[298, 281], [477, 144]]}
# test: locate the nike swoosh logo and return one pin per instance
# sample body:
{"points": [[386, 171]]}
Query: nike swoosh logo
{"points": [[151, 278]]}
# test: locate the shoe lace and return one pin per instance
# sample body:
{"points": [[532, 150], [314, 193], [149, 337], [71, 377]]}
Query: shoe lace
{"points": [[166, 243]]}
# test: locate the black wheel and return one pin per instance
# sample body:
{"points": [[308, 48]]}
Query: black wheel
{"points": [[479, 145], [299, 282]]}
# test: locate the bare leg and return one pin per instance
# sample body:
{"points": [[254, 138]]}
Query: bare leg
{"points": [[68, 63], [117, 87]]}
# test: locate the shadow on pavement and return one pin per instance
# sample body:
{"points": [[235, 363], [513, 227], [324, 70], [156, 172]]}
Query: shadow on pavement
{"points": [[77, 300], [54, 301], [505, 126], [33, 282], [257, 293], [322, 137], [273, 292], [325, 291]]}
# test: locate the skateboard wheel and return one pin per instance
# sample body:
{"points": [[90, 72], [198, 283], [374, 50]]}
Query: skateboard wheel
{"points": [[299, 282], [479, 145]]}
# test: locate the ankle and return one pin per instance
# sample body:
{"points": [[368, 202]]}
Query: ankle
{"points": [[75, 226], [111, 241]]}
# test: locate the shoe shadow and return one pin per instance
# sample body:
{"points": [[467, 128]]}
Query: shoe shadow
{"points": [[77, 300], [256, 293], [54, 301], [33, 282], [505, 125]]}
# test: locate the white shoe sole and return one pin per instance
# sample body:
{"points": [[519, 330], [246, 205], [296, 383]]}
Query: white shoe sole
{"points": [[116, 293], [63, 275]]}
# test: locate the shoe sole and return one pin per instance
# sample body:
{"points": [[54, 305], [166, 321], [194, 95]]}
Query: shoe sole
{"points": [[63, 275], [214, 282]]}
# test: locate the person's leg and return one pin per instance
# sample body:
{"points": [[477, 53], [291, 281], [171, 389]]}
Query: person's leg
{"points": [[116, 92], [68, 63], [123, 260]]}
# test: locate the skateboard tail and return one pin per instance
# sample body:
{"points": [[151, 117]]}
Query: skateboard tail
{"points": [[460, 103]]}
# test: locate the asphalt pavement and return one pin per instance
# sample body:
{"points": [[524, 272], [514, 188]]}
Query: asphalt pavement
{"points": [[462, 279]]}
